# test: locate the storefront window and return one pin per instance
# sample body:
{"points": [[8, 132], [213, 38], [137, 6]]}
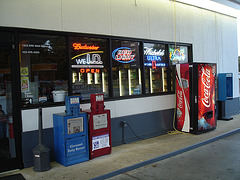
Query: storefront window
{"points": [[43, 68], [177, 55], [155, 68], [126, 68], [89, 62]]}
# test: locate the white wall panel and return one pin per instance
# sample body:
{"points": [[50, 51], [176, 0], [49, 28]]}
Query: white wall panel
{"points": [[229, 43], [108, 105], [130, 18], [47, 115], [40, 14], [198, 46], [30, 117], [118, 108], [230, 51], [161, 20], [29, 120], [219, 43], [163, 102], [111, 105], [133, 106], [88, 16], [185, 21], [209, 37], [85, 106]]}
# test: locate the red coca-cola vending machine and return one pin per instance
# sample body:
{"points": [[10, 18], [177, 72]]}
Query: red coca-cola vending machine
{"points": [[99, 124], [195, 97]]}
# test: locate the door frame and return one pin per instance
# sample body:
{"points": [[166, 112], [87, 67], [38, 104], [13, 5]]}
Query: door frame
{"points": [[14, 163]]}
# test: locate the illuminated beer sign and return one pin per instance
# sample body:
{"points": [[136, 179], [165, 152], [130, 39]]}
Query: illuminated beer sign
{"points": [[178, 54], [88, 70], [123, 55], [153, 57], [79, 46], [90, 58], [87, 59], [153, 52]]}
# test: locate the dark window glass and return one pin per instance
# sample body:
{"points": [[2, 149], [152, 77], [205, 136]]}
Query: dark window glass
{"points": [[89, 62], [126, 68], [43, 68], [177, 54], [5, 37], [155, 68], [5, 106]]}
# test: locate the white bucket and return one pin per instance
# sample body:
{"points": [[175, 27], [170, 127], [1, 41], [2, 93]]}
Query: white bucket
{"points": [[59, 96]]}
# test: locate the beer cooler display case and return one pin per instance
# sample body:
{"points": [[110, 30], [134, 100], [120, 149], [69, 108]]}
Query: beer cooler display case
{"points": [[195, 97]]}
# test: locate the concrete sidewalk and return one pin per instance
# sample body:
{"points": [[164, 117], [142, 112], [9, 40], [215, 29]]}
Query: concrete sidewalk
{"points": [[131, 154], [218, 160]]}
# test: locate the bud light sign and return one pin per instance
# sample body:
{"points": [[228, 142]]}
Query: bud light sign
{"points": [[123, 55]]}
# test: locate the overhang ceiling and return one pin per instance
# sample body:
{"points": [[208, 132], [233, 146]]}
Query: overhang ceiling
{"points": [[231, 3]]}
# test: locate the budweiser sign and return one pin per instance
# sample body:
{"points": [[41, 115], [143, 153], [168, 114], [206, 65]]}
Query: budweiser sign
{"points": [[206, 81]]}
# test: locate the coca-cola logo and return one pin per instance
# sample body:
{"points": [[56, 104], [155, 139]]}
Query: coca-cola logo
{"points": [[206, 81], [180, 99]]}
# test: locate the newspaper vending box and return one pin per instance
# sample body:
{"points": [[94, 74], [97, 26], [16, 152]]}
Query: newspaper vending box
{"points": [[71, 133], [99, 127]]}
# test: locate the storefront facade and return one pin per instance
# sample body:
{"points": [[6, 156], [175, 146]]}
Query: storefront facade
{"points": [[125, 50]]}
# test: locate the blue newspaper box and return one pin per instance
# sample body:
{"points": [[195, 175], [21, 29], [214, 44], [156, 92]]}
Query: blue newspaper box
{"points": [[225, 86], [71, 133], [225, 93]]}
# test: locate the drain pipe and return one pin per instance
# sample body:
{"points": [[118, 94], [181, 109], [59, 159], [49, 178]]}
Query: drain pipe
{"points": [[124, 124]]}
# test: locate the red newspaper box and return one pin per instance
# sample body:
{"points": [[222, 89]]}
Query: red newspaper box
{"points": [[99, 127]]}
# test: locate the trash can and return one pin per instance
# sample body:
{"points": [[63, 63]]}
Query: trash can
{"points": [[41, 153], [41, 158]]}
